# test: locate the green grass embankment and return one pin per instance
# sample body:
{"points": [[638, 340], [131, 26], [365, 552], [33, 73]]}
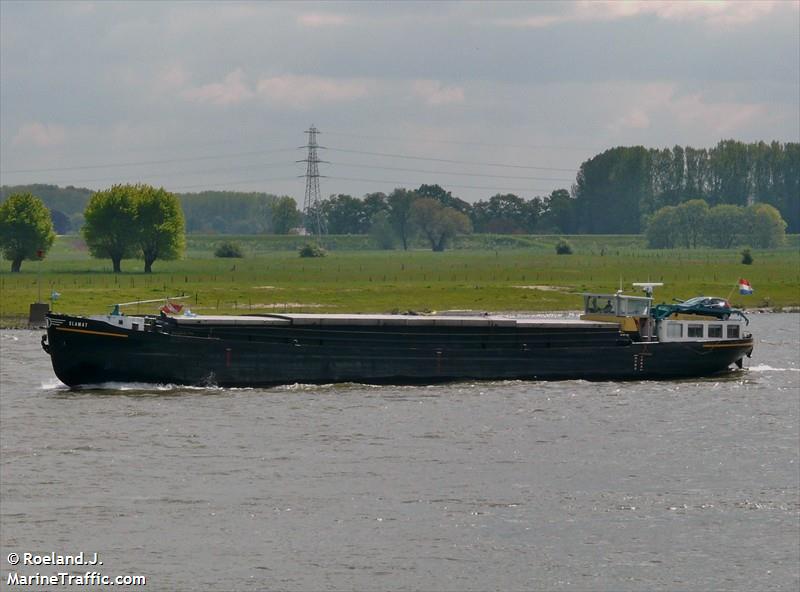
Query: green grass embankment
{"points": [[272, 278]]}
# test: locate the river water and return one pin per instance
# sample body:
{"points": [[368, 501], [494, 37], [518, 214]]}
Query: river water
{"points": [[680, 485]]}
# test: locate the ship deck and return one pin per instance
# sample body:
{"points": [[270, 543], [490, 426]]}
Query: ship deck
{"points": [[380, 320]]}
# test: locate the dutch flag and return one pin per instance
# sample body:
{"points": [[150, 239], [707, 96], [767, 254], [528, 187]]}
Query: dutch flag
{"points": [[745, 287], [171, 308]]}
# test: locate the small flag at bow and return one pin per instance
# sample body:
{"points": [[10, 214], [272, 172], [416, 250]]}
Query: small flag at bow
{"points": [[172, 308], [745, 287]]}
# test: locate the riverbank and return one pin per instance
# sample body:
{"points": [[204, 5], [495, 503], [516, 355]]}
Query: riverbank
{"points": [[502, 280]]}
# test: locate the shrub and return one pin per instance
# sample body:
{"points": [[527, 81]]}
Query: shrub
{"points": [[563, 248], [229, 249], [311, 250], [747, 258], [381, 231]]}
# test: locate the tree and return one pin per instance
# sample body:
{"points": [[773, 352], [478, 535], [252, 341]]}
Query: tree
{"points": [[61, 223], [725, 225], [284, 215], [374, 204], [381, 231], [786, 171], [766, 228], [160, 228], [678, 226], [559, 211], [611, 189], [730, 173], [503, 214], [228, 212], [25, 229], [437, 222], [69, 200], [532, 211], [399, 203], [691, 222], [661, 228], [110, 224], [345, 215], [445, 198]]}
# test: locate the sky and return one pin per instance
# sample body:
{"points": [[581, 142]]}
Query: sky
{"points": [[479, 97]]}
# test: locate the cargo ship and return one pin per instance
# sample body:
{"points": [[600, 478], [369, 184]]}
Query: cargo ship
{"points": [[618, 337]]}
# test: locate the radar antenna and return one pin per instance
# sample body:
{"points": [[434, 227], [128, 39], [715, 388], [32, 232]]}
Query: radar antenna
{"points": [[647, 287]]}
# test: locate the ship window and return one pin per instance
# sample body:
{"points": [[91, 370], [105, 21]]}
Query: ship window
{"points": [[694, 330], [733, 331], [674, 330], [715, 330], [635, 308]]}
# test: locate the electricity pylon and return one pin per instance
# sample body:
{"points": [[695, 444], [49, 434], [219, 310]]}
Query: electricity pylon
{"points": [[312, 206]]}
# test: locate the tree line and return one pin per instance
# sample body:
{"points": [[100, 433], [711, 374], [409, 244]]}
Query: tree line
{"points": [[694, 224], [208, 212], [620, 191], [434, 214], [616, 191], [233, 212], [121, 222]]}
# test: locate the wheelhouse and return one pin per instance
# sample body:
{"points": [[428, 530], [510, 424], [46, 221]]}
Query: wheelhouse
{"points": [[637, 316], [618, 305]]}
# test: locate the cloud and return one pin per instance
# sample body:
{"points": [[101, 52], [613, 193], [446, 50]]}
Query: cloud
{"points": [[304, 91], [289, 90], [81, 8], [231, 91], [722, 117], [532, 22], [710, 13], [322, 19], [171, 77], [41, 135], [634, 119], [434, 93], [685, 111], [723, 13]]}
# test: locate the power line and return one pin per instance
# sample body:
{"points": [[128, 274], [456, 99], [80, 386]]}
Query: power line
{"points": [[192, 172], [257, 152], [368, 166], [407, 183], [147, 162], [457, 142], [243, 182], [447, 160]]}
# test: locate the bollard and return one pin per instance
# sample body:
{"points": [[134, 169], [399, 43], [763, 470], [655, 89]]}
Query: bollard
{"points": [[36, 313]]}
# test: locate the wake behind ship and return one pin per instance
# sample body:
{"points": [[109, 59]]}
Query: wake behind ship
{"points": [[617, 337]]}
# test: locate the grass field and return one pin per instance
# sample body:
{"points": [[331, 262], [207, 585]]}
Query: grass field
{"points": [[272, 278]]}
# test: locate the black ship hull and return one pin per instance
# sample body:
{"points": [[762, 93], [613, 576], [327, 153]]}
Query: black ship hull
{"points": [[86, 351]]}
